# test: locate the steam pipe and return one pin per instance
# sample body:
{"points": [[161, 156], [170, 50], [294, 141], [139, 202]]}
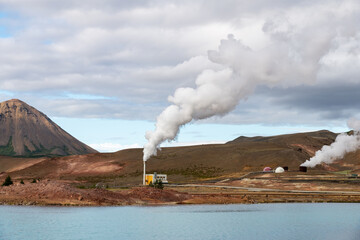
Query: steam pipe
{"points": [[144, 173]]}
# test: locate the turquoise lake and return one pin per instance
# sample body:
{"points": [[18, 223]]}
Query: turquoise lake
{"points": [[323, 221]]}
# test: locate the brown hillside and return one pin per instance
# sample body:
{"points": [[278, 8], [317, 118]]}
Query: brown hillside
{"points": [[25, 131], [183, 163], [296, 138]]}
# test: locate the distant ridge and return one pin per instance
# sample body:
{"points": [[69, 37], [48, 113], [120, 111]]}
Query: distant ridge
{"points": [[25, 131], [289, 138], [189, 163]]}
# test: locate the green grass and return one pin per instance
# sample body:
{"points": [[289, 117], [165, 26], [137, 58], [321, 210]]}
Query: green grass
{"points": [[345, 172], [41, 151], [8, 149]]}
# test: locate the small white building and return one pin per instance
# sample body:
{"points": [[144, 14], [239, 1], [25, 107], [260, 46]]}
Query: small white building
{"points": [[279, 170]]}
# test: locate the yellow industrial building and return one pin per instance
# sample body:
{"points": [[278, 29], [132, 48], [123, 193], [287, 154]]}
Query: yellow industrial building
{"points": [[151, 178]]}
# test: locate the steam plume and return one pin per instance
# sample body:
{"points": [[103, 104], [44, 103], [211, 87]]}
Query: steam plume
{"points": [[343, 144], [292, 57]]}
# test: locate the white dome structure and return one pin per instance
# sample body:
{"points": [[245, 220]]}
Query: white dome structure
{"points": [[279, 170]]}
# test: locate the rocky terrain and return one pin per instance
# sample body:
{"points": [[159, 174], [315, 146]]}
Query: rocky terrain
{"points": [[49, 192], [25, 131]]}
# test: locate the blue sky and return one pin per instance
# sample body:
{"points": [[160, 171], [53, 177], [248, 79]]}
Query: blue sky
{"points": [[109, 134], [104, 70], [10, 22], [3, 30]]}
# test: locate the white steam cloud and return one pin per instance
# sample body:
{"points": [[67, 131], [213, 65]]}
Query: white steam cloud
{"points": [[293, 56], [343, 144]]}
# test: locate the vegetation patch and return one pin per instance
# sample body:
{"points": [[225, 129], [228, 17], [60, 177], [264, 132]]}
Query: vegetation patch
{"points": [[345, 172], [41, 151], [157, 184], [97, 178], [7, 181], [7, 150], [199, 171]]}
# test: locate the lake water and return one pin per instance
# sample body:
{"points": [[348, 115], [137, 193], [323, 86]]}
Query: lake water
{"points": [[203, 222]]}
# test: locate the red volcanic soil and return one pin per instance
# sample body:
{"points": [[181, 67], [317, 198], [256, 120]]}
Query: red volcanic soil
{"points": [[47, 192]]}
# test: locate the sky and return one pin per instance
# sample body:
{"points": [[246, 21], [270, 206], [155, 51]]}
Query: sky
{"points": [[103, 70]]}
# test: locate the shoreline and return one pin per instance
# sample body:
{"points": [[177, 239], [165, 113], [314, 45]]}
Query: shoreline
{"points": [[56, 193], [32, 204]]}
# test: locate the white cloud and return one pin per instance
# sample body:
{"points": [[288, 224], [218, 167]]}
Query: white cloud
{"points": [[112, 147], [183, 144], [136, 53]]}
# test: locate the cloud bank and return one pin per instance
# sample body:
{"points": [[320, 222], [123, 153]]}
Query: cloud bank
{"points": [[134, 53]]}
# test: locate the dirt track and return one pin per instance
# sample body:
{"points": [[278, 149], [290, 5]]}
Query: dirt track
{"points": [[230, 194]]}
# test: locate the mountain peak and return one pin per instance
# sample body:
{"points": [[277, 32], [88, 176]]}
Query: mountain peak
{"points": [[14, 101], [25, 131]]}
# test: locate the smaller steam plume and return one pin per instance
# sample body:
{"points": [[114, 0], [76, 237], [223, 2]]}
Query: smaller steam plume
{"points": [[343, 144]]}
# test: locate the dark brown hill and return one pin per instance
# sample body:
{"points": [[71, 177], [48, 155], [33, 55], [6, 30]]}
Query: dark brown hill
{"points": [[297, 138], [246, 153], [25, 131]]}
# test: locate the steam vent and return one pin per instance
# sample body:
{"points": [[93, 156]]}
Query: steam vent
{"points": [[25, 131]]}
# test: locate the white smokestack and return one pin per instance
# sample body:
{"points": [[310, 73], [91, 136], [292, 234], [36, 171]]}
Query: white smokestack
{"points": [[144, 174], [291, 57], [343, 144]]}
